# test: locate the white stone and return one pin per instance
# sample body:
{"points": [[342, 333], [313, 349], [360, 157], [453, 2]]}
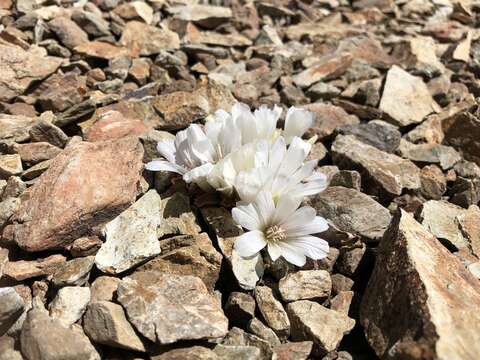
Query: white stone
{"points": [[69, 304]]}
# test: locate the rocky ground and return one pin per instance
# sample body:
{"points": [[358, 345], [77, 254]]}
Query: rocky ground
{"points": [[100, 259]]}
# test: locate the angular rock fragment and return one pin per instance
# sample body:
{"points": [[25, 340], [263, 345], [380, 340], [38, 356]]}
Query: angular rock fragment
{"points": [[88, 184], [193, 353], [434, 183], [10, 165], [240, 308], [105, 323], [184, 309], [16, 127], [178, 217], [25, 269], [462, 131], [352, 211], [148, 40], [383, 172], [131, 238], [237, 352], [113, 125], [431, 290], [377, 133], [293, 351], [69, 33], [328, 67], [101, 50], [238, 341], [328, 118], [445, 156], [304, 285], [272, 311], [204, 15], [104, 288], [69, 304], [11, 307], [73, 272], [406, 98]]}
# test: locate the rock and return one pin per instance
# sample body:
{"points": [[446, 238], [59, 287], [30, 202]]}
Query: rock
{"points": [[69, 304], [467, 169], [307, 284], [106, 323], [185, 310], [69, 33], [104, 288], [11, 307], [386, 173], [259, 329], [328, 67], [73, 272], [246, 271], [405, 99], [14, 188], [313, 322], [44, 338], [272, 311], [204, 15], [352, 211], [131, 238], [85, 246], [54, 215], [34, 153], [434, 183], [44, 131], [135, 10], [377, 133], [430, 131], [24, 269], [328, 118], [348, 179], [462, 131], [350, 258], [61, 91], [430, 288], [178, 217], [445, 156], [238, 340], [341, 283], [92, 23], [7, 209], [293, 351], [36, 170], [420, 56], [190, 353], [10, 165], [101, 50], [240, 308], [148, 40], [342, 301], [469, 223], [188, 255], [7, 349], [238, 352], [20, 68], [16, 127]]}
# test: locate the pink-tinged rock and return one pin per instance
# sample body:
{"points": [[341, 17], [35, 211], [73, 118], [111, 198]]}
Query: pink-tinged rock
{"points": [[88, 184], [114, 125], [101, 50], [421, 302]]}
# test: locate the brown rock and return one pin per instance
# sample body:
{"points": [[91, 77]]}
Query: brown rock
{"points": [[293, 351], [69, 33], [20, 68], [44, 131], [102, 50], [434, 183], [88, 184], [240, 308], [342, 301], [113, 125], [328, 118], [16, 127], [383, 172], [104, 288], [73, 273], [328, 67], [204, 15], [272, 311], [190, 353], [33, 153], [24, 269], [430, 288], [463, 132], [303, 285], [10, 165], [148, 40]]}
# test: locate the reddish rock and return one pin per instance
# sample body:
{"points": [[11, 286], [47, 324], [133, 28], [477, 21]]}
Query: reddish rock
{"points": [[113, 125], [328, 118], [33, 153], [86, 185], [102, 50]]}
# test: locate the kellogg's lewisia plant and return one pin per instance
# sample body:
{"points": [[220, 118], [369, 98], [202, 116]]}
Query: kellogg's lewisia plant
{"points": [[243, 154]]}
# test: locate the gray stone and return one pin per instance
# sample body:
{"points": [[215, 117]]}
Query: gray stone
{"points": [[131, 238], [445, 156], [178, 217], [382, 135], [11, 307], [69, 33], [238, 352], [259, 329], [307, 284], [74, 272]]}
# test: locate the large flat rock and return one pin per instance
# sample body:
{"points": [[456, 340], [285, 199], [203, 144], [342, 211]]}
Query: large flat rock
{"points": [[421, 302], [86, 185]]}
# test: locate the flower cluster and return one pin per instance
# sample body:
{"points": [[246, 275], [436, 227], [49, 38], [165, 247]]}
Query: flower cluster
{"points": [[244, 154]]}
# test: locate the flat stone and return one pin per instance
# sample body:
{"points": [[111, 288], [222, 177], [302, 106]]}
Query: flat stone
{"points": [[240, 308], [204, 15], [352, 211], [188, 255], [261, 330], [27, 269], [10, 165], [430, 288], [104, 288], [342, 301], [382, 135], [239, 352], [105, 323], [328, 67], [238, 340], [469, 223], [73, 272], [462, 131], [328, 118], [135, 10], [434, 183], [293, 351], [386, 173], [44, 131], [114, 125], [445, 156], [190, 353], [406, 98], [92, 23], [131, 238], [304, 285], [85, 246], [272, 311], [85, 186], [7, 209], [44, 338], [20, 68], [16, 127], [36, 170], [101, 50], [11, 307], [69, 304], [148, 40], [69, 33], [183, 306], [7, 349], [350, 258], [313, 322], [178, 217], [36, 152]]}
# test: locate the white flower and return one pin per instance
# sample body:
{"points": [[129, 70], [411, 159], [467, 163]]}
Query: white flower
{"points": [[297, 122], [283, 228]]}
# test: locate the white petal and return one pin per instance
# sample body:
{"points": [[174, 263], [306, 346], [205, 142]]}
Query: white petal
{"points": [[248, 184], [277, 153], [292, 254], [274, 251], [296, 154], [246, 217], [299, 218], [162, 165], [166, 148], [317, 225], [286, 206], [313, 247], [250, 243], [297, 122], [307, 189], [265, 207], [199, 175]]}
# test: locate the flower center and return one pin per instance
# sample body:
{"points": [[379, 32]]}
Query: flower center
{"points": [[275, 234]]}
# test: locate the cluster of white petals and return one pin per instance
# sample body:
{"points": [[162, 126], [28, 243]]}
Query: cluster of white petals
{"points": [[243, 153]]}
